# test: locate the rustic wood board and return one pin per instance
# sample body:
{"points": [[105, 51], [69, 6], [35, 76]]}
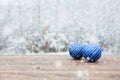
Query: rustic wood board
{"points": [[58, 67]]}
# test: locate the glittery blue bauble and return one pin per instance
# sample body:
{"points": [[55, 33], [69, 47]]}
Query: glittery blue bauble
{"points": [[92, 52], [75, 50]]}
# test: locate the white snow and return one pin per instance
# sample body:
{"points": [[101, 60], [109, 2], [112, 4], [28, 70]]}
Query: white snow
{"points": [[88, 58], [43, 26], [81, 73], [58, 63], [82, 61], [7, 31]]}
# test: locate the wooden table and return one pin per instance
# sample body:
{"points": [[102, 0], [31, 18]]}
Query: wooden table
{"points": [[58, 67]]}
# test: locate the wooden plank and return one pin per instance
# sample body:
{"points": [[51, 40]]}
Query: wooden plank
{"points": [[58, 67]]}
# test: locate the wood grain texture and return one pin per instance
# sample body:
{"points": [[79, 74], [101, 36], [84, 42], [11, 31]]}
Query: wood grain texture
{"points": [[58, 67]]}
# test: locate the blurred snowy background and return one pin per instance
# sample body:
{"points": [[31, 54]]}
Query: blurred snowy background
{"points": [[41, 26]]}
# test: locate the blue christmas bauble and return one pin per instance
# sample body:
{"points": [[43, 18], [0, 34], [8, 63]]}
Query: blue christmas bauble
{"points": [[91, 52], [75, 50]]}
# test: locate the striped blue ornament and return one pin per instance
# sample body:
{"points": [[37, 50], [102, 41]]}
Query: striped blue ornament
{"points": [[91, 52], [75, 50]]}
